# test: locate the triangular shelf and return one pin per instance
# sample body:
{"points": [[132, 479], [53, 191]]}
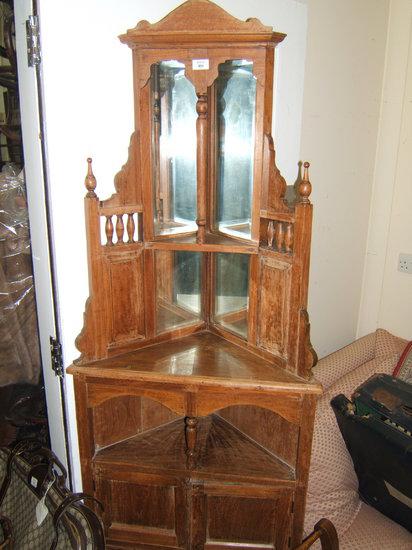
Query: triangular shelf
{"points": [[224, 453]]}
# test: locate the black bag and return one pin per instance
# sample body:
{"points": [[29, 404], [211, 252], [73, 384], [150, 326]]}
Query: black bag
{"points": [[33, 481], [376, 427]]}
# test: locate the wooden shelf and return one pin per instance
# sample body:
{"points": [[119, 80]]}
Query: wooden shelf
{"points": [[213, 243], [224, 454], [204, 358]]}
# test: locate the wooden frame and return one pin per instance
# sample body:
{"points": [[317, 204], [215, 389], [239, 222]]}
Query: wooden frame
{"points": [[189, 392]]}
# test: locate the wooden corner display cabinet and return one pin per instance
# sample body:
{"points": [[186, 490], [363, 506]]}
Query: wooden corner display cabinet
{"points": [[194, 397]]}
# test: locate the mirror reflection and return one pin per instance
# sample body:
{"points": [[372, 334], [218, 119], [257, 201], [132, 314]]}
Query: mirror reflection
{"points": [[173, 149], [178, 281], [235, 119], [231, 292]]}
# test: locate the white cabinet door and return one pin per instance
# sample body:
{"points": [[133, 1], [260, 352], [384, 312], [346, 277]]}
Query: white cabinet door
{"points": [[35, 170]]}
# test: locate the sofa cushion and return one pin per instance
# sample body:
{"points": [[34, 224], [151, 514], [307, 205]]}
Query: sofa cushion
{"points": [[333, 485], [371, 526], [344, 360], [386, 343]]}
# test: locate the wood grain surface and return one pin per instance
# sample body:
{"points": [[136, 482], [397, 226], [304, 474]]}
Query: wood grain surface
{"points": [[195, 427]]}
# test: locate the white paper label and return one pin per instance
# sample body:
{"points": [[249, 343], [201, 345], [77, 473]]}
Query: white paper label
{"points": [[41, 508], [41, 511], [34, 482], [200, 64]]}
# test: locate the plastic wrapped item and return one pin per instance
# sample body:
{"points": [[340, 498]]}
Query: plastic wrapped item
{"points": [[19, 346]]}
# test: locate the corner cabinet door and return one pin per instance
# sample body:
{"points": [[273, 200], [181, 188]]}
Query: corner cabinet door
{"points": [[142, 511], [224, 517]]}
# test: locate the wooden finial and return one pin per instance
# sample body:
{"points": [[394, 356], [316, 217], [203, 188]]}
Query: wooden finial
{"points": [[90, 180], [306, 171], [305, 187]]}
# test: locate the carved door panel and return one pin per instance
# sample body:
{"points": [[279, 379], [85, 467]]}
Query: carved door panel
{"points": [[230, 516], [142, 509]]}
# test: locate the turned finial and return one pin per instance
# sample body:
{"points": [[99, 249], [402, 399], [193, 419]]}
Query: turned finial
{"points": [[305, 187], [90, 180]]}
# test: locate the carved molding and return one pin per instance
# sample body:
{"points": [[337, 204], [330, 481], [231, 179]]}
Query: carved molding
{"points": [[83, 337], [310, 355], [122, 177], [102, 393], [127, 192], [276, 182]]}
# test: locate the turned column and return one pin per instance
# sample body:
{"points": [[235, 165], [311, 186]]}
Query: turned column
{"points": [[191, 435], [156, 141], [201, 131]]}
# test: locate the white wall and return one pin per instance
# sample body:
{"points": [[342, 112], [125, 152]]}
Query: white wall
{"points": [[88, 111], [387, 294], [342, 96]]}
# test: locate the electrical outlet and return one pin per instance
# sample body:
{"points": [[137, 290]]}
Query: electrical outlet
{"points": [[405, 263]]}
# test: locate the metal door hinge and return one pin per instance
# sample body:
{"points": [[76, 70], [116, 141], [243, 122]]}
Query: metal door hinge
{"points": [[33, 41], [56, 357]]}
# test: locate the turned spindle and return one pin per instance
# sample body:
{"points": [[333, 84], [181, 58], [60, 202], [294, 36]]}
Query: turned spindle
{"points": [[289, 238], [191, 435], [279, 236], [109, 230], [156, 141], [156, 94], [202, 144], [305, 187], [90, 181], [270, 233], [130, 228], [119, 228]]}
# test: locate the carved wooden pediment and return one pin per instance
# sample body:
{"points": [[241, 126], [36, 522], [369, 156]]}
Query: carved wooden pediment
{"points": [[192, 20]]}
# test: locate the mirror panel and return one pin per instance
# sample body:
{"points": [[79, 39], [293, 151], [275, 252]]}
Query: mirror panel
{"points": [[178, 284], [174, 117], [231, 299], [235, 141]]}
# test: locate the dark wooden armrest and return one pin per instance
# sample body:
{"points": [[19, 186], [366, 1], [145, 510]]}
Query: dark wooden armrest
{"points": [[326, 532]]}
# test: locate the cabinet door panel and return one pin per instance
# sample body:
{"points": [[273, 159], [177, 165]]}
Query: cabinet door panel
{"points": [[221, 520], [143, 512]]}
